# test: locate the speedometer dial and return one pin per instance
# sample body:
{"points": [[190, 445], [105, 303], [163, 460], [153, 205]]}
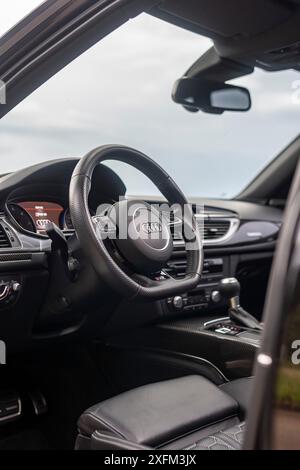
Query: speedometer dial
{"points": [[67, 223], [22, 217]]}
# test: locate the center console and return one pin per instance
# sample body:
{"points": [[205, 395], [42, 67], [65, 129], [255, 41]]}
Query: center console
{"points": [[216, 292], [202, 332], [197, 332], [200, 299], [226, 327], [214, 309]]}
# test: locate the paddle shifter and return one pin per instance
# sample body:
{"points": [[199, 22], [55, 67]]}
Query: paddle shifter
{"points": [[229, 289]]}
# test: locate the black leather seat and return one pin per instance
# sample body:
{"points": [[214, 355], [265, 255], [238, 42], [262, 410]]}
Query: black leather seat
{"points": [[186, 413]]}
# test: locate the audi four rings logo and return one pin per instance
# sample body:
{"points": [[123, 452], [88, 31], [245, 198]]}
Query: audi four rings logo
{"points": [[41, 223], [152, 227]]}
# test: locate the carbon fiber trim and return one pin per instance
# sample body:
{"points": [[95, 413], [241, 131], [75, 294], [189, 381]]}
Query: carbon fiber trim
{"points": [[15, 257]]}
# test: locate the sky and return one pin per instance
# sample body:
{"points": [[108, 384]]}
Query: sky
{"points": [[120, 92]]}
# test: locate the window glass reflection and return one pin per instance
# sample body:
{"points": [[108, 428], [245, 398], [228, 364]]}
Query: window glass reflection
{"points": [[287, 396]]}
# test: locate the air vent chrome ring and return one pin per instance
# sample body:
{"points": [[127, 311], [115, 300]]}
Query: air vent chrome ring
{"points": [[216, 220], [234, 223]]}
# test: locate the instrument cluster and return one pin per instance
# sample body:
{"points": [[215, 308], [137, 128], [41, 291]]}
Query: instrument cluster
{"points": [[33, 216]]}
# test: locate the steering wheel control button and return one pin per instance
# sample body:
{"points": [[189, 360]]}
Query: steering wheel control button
{"points": [[105, 225]]}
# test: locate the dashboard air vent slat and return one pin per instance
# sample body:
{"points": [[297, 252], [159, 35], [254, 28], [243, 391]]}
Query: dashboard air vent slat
{"points": [[4, 240], [214, 229]]}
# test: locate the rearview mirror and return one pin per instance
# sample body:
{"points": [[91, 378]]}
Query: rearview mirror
{"points": [[210, 96]]}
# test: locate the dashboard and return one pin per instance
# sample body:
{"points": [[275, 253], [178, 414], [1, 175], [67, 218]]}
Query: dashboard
{"points": [[32, 197], [235, 233]]}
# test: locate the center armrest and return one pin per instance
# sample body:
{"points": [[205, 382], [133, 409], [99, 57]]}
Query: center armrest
{"points": [[157, 413]]}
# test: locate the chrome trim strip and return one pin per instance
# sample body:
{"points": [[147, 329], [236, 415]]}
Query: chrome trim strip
{"points": [[5, 292], [234, 225], [25, 241], [200, 359], [13, 416], [167, 352], [211, 322]]}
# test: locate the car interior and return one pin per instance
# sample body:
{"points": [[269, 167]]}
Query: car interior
{"points": [[143, 342]]}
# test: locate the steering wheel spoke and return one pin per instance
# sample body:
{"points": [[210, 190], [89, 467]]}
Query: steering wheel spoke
{"points": [[104, 227]]}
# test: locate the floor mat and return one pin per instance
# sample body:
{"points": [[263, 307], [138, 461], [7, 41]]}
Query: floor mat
{"points": [[71, 382]]}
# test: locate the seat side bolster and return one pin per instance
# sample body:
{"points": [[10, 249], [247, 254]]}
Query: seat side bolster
{"points": [[91, 420]]}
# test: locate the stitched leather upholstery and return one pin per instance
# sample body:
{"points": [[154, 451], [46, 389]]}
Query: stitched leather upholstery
{"points": [[229, 439], [189, 412]]}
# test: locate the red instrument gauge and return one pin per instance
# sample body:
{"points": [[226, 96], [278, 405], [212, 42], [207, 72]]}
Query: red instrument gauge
{"points": [[42, 213]]}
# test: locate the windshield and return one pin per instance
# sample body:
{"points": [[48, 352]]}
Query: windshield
{"points": [[120, 92]]}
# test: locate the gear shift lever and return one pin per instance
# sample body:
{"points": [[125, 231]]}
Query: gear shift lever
{"points": [[229, 289]]}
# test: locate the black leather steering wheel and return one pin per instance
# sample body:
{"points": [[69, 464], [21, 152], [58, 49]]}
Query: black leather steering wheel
{"points": [[129, 268]]}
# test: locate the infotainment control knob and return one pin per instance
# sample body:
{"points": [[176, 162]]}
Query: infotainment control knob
{"points": [[216, 296], [178, 302]]}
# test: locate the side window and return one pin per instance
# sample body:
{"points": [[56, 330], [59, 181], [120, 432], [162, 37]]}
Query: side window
{"points": [[286, 417]]}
